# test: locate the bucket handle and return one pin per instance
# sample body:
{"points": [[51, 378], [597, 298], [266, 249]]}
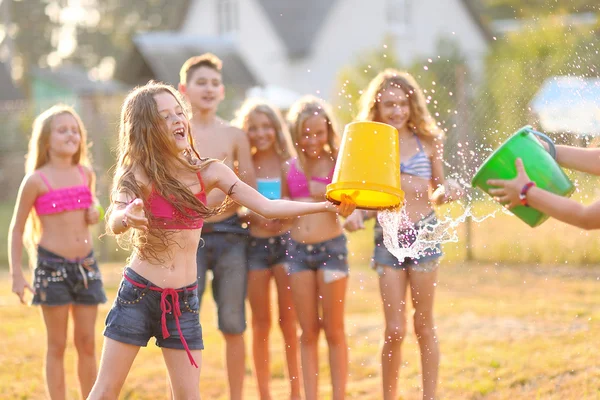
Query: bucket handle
{"points": [[551, 147]]}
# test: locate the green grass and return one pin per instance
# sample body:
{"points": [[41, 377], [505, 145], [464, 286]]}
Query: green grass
{"points": [[506, 332]]}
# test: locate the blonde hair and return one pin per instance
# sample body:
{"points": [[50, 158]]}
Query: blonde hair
{"points": [[303, 109], [38, 155], [283, 143], [145, 144], [420, 121]]}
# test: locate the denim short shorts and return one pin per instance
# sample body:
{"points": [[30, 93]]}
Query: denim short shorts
{"points": [[135, 316], [223, 250], [264, 253], [428, 262], [329, 255], [59, 281]]}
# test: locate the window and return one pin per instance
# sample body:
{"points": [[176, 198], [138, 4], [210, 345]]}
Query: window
{"points": [[227, 16], [398, 16]]}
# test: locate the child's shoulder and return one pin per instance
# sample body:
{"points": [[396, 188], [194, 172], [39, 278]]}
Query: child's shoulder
{"points": [[87, 170], [432, 144], [33, 179], [287, 164], [227, 132]]}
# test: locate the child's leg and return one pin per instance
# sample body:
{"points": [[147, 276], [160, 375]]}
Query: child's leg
{"points": [[422, 292], [84, 321], [260, 304], [115, 364], [333, 296], [56, 319], [288, 324], [185, 378], [392, 285], [230, 282], [304, 294]]}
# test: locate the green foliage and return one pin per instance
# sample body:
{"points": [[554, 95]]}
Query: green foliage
{"points": [[42, 30], [439, 76], [519, 64], [498, 9], [436, 76]]}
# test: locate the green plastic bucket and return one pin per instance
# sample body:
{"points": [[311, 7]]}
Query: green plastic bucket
{"points": [[539, 164]]}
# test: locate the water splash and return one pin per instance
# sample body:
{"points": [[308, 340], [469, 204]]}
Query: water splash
{"points": [[403, 238]]}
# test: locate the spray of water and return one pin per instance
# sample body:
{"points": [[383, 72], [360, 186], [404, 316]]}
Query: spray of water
{"points": [[403, 238]]}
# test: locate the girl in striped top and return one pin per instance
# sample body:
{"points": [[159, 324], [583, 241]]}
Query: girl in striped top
{"points": [[395, 98]]}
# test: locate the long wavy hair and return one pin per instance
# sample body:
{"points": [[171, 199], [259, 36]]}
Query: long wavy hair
{"points": [[283, 143], [420, 121], [145, 145], [303, 109], [39, 155]]}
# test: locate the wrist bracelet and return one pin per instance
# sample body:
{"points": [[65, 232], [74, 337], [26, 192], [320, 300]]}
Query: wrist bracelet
{"points": [[523, 195]]}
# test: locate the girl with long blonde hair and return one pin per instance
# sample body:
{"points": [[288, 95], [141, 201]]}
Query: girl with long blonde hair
{"points": [[394, 97], [158, 207], [271, 149], [317, 253], [55, 207]]}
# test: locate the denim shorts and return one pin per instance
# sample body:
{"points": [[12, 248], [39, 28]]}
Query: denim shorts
{"points": [[426, 263], [225, 254], [264, 253], [136, 314], [329, 255], [58, 281]]}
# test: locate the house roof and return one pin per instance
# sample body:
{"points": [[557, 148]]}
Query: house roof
{"points": [[569, 104], [76, 79], [474, 11], [297, 22], [165, 53], [8, 90]]}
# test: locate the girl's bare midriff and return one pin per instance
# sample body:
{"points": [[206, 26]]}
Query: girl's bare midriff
{"points": [[177, 268], [310, 228], [417, 190], [66, 234]]}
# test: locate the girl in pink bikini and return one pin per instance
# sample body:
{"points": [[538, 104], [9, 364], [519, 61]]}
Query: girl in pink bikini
{"points": [[267, 250], [317, 253], [158, 206], [53, 212]]}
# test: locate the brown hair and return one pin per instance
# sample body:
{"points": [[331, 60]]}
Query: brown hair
{"points": [[420, 120], [208, 60], [283, 143], [303, 109], [145, 145]]}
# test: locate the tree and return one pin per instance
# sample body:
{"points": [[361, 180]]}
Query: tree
{"points": [[522, 61], [93, 33], [437, 76]]}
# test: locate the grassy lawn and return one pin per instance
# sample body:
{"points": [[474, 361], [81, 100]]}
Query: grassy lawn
{"points": [[506, 332], [521, 322]]}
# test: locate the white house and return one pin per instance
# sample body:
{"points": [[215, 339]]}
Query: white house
{"points": [[301, 45]]}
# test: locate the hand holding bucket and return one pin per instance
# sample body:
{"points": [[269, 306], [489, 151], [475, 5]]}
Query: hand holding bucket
{"points": [[537, 162], [368, 167]]}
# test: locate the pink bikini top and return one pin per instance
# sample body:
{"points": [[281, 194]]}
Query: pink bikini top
{"points": [[297, 183], [168, 217], [59, 200]]}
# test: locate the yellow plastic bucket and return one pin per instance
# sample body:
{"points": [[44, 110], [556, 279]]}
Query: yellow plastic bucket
{"points": [[368, 167]]}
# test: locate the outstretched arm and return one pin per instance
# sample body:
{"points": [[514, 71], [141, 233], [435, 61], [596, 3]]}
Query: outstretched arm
{"points": [[221, 177], [579, 159], [562, 208]]}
